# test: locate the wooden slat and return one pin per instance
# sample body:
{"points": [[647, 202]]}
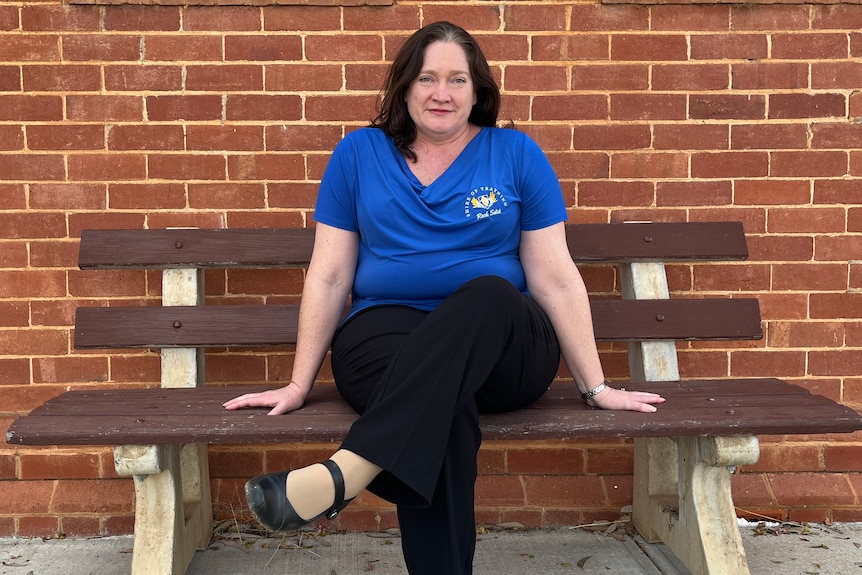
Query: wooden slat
{"points": [[250, 248], [255, 325], [660, 241], [211, 248], [164, 416]]}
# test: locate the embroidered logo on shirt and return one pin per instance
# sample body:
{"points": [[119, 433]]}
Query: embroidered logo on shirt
{"points": [[484, 202]]}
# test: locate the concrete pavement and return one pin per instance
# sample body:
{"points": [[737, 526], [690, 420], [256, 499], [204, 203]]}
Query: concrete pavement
{"points": [[772, 549]]}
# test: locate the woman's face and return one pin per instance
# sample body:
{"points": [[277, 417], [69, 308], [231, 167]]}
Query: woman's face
{"points": [[441, 98]]}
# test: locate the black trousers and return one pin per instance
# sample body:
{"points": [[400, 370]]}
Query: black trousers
{"points": [[419, 380]]}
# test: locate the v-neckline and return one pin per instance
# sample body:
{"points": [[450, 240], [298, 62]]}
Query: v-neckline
{"points": [[418, 185]]}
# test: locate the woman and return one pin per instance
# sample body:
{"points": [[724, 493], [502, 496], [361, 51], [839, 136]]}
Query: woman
{"points": [[448, 234]]}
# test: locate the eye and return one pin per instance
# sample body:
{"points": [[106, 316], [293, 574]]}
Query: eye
{"points": [[425, 80]]}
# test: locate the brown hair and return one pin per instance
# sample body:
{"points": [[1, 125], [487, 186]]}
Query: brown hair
{"points": [[395, 120]]}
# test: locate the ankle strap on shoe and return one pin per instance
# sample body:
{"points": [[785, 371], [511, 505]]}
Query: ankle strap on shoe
{"points": [[338, 480]]}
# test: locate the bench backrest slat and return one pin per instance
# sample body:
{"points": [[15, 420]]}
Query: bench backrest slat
{"points": [[256, 325], [282, 247]]}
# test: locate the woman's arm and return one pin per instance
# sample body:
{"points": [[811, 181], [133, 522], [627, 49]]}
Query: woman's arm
{"points": [[327, 285], [555, 283]]}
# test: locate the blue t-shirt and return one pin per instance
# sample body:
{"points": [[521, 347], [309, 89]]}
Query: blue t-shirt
{"points": [[419, 243]]}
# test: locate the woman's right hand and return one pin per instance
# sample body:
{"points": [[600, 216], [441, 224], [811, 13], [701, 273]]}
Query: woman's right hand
{"points": [[281, 400]]}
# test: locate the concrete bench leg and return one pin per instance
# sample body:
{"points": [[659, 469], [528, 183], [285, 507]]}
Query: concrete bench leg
{"points": [[173, 506], [683, 498]]}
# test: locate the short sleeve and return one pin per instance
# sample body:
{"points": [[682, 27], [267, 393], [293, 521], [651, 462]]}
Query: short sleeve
{"points": [[542, 202], [336, 198]]}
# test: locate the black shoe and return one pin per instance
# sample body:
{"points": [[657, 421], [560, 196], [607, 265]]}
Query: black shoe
{"points": [[267, 499]]}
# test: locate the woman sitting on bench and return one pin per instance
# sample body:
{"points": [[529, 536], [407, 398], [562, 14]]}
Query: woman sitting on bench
{"points": [[448, 234]]}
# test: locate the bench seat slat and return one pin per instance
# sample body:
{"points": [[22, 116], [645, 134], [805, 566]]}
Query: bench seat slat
{"points": [[284, 247], [743, 407], [254, 325]]}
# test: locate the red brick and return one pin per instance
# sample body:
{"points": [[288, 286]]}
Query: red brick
{"points": [[769, 17], [9, 18], [265, 282], [102, 496], [61, 78], [768, 136], [119, 525], [226, 137], [31, 108], [838, 248], [610, 460], [835, 362], [67, 196], [806, 219], [147, 196], [780, 248], [342, 48], [233, 196], [692, 193], [266, 167], [14, 314], [829, 306], [549, 461], [143, 78], [568, 47], [292, 195], [527, 18], [775, 306], [690, 17], [222, 18], [106, 283], [10, 81], [59, 466], [33, 225], [266, 48], [767, 363], [703, 364], [148, 137], [301, 18], [788, 106], [59, 18], [689, 137], [186, 167], [809, 164], [810, 46], [615, 193], [810, 277], [826, 75], [753, 219], [25, 497], [771, 192], [837, 192], [236, 368], [726, 107], [234, 77], [407, 17], [654, 48], [570, 107], [769, 75], [562, 491], [783, 457], [731, 277], [81, 526], [729, 164], [29, 48], [695, 77], [806, 334], [653, 166], [593, 18], [172, 48], [142, 18], [105, 108], [301, 77], [69, 369], [477, 18], [245, 463], [14, 371], [136, 368], [606, 77], [611, 137], [843, 457], [66, 137], [186, 220], [536, 78], [189, 108], [107, 167], [295, 138], [647, 106], [38, 527], [812, 489], [360, 108], [729, 46], [12, 197], [264, 107], [836, 135], [101, 47]]}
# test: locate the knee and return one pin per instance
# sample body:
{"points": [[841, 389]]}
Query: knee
{"points": [[493, 291]]}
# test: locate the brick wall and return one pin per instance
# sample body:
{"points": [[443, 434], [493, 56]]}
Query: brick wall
{"points": [[155, 116]]}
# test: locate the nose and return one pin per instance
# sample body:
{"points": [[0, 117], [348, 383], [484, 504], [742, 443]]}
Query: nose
{"points": [[441, 94]]}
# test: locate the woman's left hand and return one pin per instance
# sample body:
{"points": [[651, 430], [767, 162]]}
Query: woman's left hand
{"points": [[613, 398]]}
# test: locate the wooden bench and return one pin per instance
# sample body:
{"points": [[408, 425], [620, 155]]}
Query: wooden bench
{"points": [[682, 491]]}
